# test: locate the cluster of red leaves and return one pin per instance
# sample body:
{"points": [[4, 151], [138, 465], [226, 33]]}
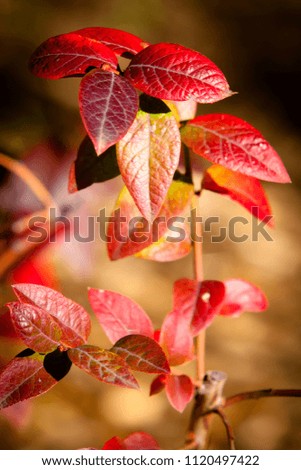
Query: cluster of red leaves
{"points": [[55, 330], [141, 136]]}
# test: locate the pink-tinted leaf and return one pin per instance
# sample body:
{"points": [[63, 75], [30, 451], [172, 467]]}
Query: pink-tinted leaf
{"points": [[18, 415], [118, 315], [129, 232], [157, 385], [23, 378], [142, 353], [148, 156], [198, 303], [242, 296], [69, 54], [179, 391], [174, 245], [108, 106], [37, 328], [234, 144], [244, 189], [183, 110], [72, 317], [104, 365], [118, 41], [176, 338], [174, 72], [134, 441]]}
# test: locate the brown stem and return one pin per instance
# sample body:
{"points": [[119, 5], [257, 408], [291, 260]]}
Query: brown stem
{"points": [[255, 395], [228, 427]]}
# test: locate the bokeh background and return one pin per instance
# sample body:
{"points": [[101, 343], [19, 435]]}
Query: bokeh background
{"points": [[257, 45]]}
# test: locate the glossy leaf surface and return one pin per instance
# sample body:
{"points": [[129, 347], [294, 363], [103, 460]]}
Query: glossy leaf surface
{"points": [[69, 54], [234, 144], [174, 72]]}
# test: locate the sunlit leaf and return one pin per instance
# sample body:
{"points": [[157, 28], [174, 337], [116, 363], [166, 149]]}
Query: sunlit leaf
{"points": [[72, 317], [118, 41], [174, 72], [148, 156], [108, 106], [242, 296], [103, 365], [179, 391], [129, 232], [234, 144], [118, 315], [37, 328], [176, 338], [142, 353], [244, 189], [69, 54], [23, 378]]}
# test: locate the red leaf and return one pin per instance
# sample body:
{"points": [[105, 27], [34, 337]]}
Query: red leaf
{"points": [[174, 72], [108, 106], [69, 54], [198, 303], [23, 378], [134, 441], [142, 353], [115, 443], [71, 317], [140, 441], [18, 415], [129, 232], [118, 41], [148, 156], [235, 144], [157, 385], [176, 338], [246, 190], [118, 315], [7, 329], [242, 296], [37, 329], [104, 365], [179, 391]]}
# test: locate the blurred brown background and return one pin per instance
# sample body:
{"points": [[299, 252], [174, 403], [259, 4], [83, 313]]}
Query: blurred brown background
{"points": [[257, 45]]}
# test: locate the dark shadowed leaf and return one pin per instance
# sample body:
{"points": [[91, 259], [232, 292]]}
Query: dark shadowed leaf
{"points": [[108, 105], [142, 353], [37, 328], [118, 41], [104, 365], [234, 144], [69, 54], [23, 378], [7, 329], [176, 338], [148, 156], [88, 168], [157, 385], [244, 189], [242, 296], [118, 315], [71, 317], [152, 105], [179, 391], [198, 303], [129, 232], [174, 72], [57, 364]]}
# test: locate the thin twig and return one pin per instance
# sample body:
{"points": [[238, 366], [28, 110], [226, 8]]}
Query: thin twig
{"points": [[228, 427], [255, 395]]}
